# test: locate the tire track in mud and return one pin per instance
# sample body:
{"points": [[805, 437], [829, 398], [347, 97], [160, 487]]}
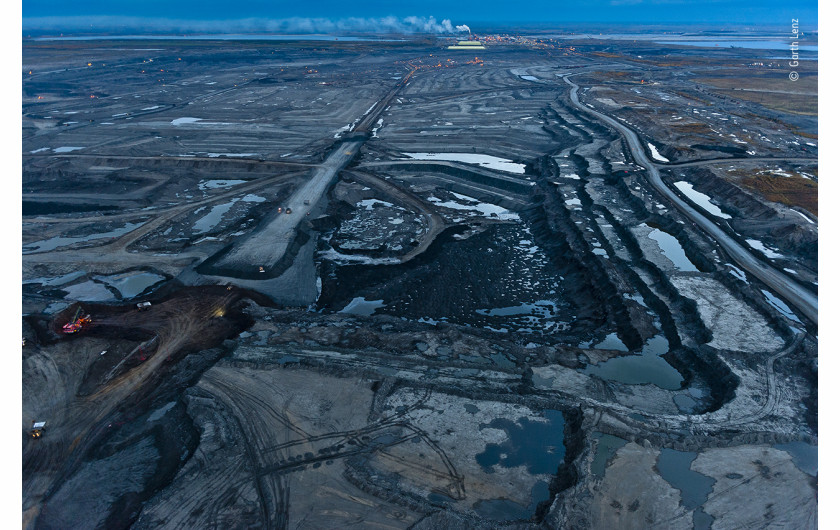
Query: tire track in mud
{"points": [[84, 420], [363, 440]]}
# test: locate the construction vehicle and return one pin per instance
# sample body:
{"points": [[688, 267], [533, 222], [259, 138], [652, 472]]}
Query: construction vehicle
{"points": [[77, 322], [38, 428], [143, 306]]}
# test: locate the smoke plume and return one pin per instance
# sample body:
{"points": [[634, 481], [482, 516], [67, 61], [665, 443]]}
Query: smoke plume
{"points": [[296, 25]]}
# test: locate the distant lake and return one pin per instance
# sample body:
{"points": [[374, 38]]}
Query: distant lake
{"points": [[222, 36], [752, 44]]}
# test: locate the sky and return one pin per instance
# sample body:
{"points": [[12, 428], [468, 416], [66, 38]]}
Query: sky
{"points": [[291, 15]]}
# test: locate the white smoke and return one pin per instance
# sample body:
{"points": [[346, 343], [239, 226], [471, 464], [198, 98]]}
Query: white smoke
{"points": [[463, 27], [296, 25]]}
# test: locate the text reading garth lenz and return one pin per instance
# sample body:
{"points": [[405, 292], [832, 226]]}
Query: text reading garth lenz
{"points": [[794, 48]]}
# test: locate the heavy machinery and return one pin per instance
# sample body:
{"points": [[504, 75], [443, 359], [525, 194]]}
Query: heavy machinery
{"points": [[38, 428], [77, 322]]}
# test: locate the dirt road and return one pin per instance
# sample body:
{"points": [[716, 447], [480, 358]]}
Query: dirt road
{"points": [[798, 296]]}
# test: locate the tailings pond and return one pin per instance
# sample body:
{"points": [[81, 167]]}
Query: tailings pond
{"points": [[675, 467], [534, 444], [648, 366]]}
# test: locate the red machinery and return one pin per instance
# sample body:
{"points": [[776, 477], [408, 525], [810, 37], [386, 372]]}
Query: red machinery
{"points": [[77, 322]]}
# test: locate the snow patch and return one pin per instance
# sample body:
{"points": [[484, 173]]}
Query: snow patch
{"points": [[655, 154], [488, 161], [181, 121], [700, 199], [758, 245]]}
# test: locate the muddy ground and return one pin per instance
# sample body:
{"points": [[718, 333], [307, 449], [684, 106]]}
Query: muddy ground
{"points": [[488, 318]]}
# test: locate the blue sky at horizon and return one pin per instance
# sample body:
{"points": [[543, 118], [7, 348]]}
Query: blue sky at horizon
{"points": [[42, 13]]}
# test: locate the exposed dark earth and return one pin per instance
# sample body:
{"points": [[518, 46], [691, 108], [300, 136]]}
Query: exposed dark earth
{"points": [[552, 283]]}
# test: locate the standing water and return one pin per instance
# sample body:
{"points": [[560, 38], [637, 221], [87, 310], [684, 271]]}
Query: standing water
{"points": [[645, 367]]}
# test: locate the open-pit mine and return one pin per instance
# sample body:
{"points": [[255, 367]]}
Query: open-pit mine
{"points": [[543, 282]]}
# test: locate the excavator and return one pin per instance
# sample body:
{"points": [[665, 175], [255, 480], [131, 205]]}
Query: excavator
{"points": [[77, 322]]}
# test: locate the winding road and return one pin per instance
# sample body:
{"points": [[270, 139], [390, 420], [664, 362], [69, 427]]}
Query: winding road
{"points": [[793, 293], [729, 160]]}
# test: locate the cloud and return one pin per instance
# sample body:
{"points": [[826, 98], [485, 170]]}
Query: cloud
{"points": [[405, 25]]}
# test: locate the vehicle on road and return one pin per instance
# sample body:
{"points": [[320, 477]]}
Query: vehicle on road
{"points": [[38, 428]]}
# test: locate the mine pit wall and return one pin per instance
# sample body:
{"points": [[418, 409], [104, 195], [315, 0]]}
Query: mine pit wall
{"points": [[615, 264], [570, 507], [778, 322], [563, 242], [510, 184], [174, 436], [589, 130], [704, 364], [573, 239], [176, 439], [694, 253], [666, 319], [568, 474], [721, 380], [691, 364], [700, 257], [560, 136], [589, 297], [744, 208]]}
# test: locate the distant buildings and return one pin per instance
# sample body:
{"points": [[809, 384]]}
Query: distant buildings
{"points": [[467, 45]]}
